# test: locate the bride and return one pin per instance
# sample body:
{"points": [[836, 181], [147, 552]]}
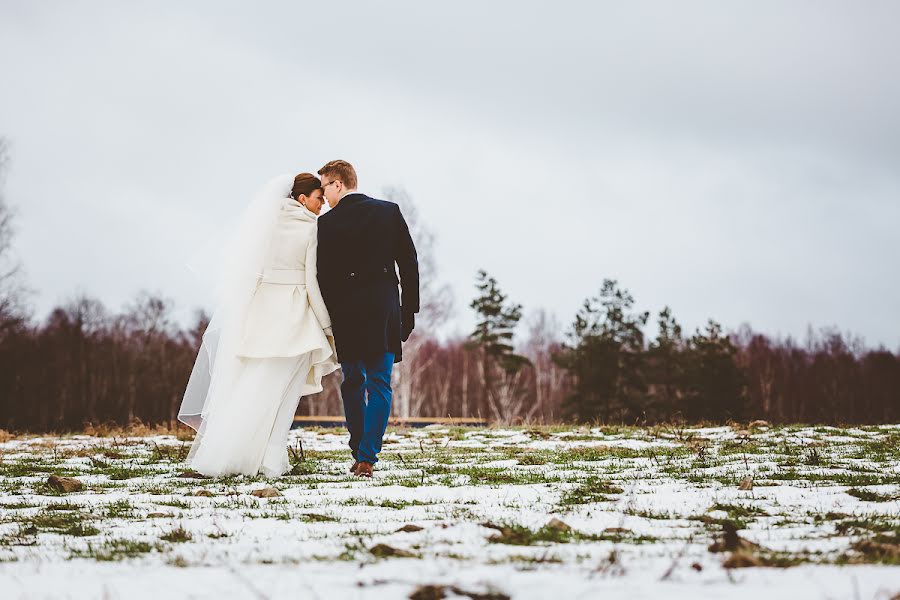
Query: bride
{"points": [[269, 341]]}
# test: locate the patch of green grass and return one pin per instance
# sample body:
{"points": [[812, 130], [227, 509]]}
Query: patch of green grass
{"points": [[178, 561], [177, 535], [317, 518], [156, 489], [120, 509], [103, 486], [34, 467], [840, 478], [616, 535], [81, 530], [17, 505], [593, 453], [64, 522], [116, 549], [879, 549], [544, 558], [519, 535], [438, 469], [884, 449], [769, 558], [54, 520], [410, 481], [114, 453], [731, 447], [649, 514], [121, 472], [481, 475], [666, 452], [589, 491], [813, 457], [717, 524], [62, 506], [24, 535], [177, 503], [351, 551], [458, 433], [740, 511], [281, 515], [397, 504], [533, 458], [306, 467], [342, 456], [869, 495], [167, 453], [865, 524], [217, 535]]}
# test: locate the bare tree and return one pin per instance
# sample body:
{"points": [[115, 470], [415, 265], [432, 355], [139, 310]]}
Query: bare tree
{"points": [[12, 290], [550, 379], [436, 305]]}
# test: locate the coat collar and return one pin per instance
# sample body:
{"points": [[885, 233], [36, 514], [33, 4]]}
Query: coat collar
{"points": [[350, 199], [298, 211]]}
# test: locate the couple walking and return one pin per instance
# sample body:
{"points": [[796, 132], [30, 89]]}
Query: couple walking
{"points": [[297, 297]]}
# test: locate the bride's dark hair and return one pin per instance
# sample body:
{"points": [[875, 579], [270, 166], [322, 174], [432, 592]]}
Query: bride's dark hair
{"points": [[305, 184]]}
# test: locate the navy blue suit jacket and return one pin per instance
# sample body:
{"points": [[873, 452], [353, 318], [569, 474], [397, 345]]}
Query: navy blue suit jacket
{"points": [[360, 241]]}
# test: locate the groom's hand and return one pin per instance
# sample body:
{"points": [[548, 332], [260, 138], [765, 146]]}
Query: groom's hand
{"points": [[407, 323]]}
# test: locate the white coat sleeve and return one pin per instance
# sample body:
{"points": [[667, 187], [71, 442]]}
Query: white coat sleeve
{"points": [[312, 286]]}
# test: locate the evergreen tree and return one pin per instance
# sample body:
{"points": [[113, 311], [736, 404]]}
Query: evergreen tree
{"points": [[605, 356], [716, 384], [666, 367], [493, 334]]}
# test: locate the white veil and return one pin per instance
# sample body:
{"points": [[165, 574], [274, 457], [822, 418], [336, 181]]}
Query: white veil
{"points": [[235, 267]]}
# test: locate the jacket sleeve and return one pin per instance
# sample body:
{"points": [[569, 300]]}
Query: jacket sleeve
{"points": [[408, 264], [312, 284], [323, 266]]}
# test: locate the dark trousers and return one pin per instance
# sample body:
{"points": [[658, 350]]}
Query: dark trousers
{"points": [[366, 392]]}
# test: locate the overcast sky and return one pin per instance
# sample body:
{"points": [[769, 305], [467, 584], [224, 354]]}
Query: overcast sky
{"points": [[734, 160]]}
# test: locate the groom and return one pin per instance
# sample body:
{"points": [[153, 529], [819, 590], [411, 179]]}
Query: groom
{"points": [[360, 239]]}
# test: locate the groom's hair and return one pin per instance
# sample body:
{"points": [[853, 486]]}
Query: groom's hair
{"points": [[305, 184], [340, 169]]}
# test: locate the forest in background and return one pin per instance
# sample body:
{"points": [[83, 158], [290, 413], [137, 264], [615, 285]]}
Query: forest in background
{"points": [[85, 364]]}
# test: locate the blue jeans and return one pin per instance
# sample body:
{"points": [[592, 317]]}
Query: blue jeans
{"points": [[367, 419]]}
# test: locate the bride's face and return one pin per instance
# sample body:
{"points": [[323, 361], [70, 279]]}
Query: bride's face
{"points": [[314, 201]]}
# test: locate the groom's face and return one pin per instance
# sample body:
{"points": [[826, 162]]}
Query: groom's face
{"points": [[333, 190]]}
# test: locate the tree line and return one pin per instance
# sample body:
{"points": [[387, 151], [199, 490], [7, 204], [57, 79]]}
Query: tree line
{"points": [[605, 369], [86, 364]]}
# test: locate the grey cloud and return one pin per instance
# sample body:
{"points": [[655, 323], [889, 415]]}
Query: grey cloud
{"points": [[735, 160]]}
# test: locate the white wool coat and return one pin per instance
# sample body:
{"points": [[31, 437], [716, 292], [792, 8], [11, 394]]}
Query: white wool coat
{"points": [[287, 316]]}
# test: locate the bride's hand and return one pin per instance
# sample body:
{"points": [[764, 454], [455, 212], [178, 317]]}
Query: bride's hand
{"points": [[330, 339]]}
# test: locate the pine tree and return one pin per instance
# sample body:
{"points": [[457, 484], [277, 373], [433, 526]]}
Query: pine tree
{"points": [[605, 355], [716, 384], [666, 367], [493, 334]]}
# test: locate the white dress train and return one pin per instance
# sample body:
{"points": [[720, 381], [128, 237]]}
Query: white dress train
{"points": [[249, 434], [284, 350]]}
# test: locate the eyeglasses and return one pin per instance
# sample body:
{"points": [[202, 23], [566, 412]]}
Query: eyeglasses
{"points": [[329, 183]]}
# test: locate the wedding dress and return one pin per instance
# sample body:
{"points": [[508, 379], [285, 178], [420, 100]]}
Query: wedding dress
{"points": [[267, 344]]}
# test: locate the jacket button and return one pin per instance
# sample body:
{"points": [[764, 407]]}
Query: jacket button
{"points": [[352, 274]]}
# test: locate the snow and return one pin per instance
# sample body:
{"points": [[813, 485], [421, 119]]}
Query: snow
{"points": [[272, 548]]}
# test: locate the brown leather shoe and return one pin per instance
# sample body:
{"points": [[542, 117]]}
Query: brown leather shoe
{"points": [[364, 469], [353, 468]]}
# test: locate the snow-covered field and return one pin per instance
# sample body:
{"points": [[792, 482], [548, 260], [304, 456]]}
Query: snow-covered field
{"points": [[550, 512]]}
